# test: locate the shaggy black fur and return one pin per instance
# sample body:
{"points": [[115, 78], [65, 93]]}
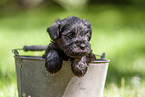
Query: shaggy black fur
{"points": [[70, 41]]}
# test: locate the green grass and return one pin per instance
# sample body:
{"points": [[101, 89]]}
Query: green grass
{"points": [[117, 30]]}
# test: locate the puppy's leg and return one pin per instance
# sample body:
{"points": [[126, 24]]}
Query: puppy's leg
{"points": [[90, 57], [53, 61], [79, 66]]}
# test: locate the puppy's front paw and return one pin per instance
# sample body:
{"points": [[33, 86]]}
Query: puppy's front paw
{"points": [[53, 62], [79, 68]]}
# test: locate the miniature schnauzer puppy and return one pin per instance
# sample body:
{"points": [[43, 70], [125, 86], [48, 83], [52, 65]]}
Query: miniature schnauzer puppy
{"points": [[70, 41]]}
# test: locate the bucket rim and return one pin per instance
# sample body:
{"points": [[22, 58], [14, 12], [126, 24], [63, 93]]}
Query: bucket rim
{"points": [[39, 58]]}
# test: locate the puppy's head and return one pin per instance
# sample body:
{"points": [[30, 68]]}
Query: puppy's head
{"points": [[72, 34]]}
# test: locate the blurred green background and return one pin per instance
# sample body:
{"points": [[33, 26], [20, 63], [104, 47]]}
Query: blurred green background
{"points": [[118, 30]]}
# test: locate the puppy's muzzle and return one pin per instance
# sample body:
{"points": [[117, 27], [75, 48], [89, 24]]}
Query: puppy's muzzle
{"points": [[81, 44], [79, 49]]}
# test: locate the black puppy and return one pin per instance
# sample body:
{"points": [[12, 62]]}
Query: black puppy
{"points": [[70, 41]]}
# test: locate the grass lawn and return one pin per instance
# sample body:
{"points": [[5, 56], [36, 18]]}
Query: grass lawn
{"points": [[118, 31]]}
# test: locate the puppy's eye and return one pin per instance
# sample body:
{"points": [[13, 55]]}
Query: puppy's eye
{"points": [[70, 35], [86, 34]]}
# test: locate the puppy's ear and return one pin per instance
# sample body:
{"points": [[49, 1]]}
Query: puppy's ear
{"points": [[89, 28], [54, 30]]}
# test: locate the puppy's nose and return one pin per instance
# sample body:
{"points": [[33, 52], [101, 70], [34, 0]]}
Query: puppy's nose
{"points": [[82, 46]]}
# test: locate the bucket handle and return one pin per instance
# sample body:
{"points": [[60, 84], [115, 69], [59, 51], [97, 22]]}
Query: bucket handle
{"points": [[35, 48]]}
